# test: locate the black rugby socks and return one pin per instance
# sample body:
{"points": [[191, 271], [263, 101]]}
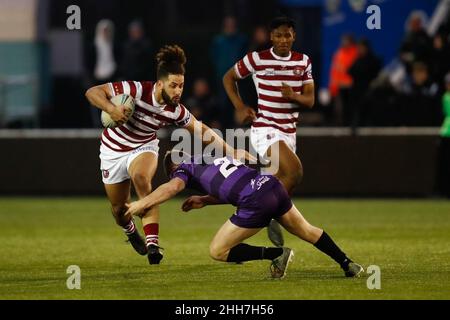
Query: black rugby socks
{"points": [[244, 252], [327, 246]]}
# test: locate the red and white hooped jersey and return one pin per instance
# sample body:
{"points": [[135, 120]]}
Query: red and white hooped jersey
{"points": [[148, 117], [269, 71]]}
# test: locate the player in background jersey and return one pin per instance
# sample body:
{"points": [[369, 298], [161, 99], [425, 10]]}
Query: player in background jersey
{"points": [[258, 198], [130, 151], [284, 83]]}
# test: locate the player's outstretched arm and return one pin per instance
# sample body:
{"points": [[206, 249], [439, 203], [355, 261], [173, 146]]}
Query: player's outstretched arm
{"points": [[244, 113], [163, 193], [208, 136], [197, 202], [99, 96]]}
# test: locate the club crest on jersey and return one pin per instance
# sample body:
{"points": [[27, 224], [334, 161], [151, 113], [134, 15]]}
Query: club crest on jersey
{"points": [[105, 173], [270, 136], [298, 71]]}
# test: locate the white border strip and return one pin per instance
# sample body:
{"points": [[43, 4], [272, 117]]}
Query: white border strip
{"points": [[164, 133]]}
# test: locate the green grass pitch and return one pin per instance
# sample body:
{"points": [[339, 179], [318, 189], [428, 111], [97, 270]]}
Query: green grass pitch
{"points": [[408, 239]]}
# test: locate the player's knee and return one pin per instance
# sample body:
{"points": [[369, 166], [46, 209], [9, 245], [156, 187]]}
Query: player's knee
{"points": [[296, 172], [142, 182], [293, 177], [217, 253], [118, 211]]}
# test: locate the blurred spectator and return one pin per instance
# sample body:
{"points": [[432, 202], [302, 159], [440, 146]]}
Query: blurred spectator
{"points": [[363, 71], [105, 64], [382, 104], [102, 61], [138, 55], [416, 45], [226, 48], [203, 105], [420, 101], [444, 152], [340, 80], [440, 56], [260, 40]]}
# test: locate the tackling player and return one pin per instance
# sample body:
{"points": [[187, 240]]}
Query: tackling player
{"points": [[130, 151], [258, 198], [284, 83]]}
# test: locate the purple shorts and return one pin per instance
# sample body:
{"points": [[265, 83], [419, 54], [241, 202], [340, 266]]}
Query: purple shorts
{"points": [[256, 211]]}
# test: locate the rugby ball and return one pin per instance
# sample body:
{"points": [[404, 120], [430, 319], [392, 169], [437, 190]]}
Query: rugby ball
{"points": [[121, 99]]}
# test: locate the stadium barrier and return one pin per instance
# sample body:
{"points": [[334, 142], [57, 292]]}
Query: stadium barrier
{"points": [[375, 162]]}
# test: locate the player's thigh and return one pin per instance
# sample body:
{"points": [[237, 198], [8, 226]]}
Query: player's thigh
{"points": [[141, 170], [118, 193], [230, 235], [287, 162]]}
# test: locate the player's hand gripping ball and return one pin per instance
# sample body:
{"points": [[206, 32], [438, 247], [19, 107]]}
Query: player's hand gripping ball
{"points": [[124, 110]]}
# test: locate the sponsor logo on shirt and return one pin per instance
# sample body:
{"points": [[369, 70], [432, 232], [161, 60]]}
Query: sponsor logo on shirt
{"points": [[269, 72], [258, 183]]}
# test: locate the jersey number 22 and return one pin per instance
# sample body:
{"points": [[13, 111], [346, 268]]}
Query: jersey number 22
{"points": [[227, 167]]}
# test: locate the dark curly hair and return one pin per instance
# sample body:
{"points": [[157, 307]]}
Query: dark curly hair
{"points": [[281, 21], [172, 155], [170, 60]]}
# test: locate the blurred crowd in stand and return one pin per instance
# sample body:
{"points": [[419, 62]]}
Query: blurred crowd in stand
{"points": [[410, 94], [360, 92]]}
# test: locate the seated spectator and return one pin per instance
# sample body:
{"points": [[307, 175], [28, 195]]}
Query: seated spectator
{"points": [[416, 45], [138, 55], [203, 105], [420, 101], [440, 62], [381, 104]]}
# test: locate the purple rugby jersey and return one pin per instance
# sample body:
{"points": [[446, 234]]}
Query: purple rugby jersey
{"points": [[225, 178]]}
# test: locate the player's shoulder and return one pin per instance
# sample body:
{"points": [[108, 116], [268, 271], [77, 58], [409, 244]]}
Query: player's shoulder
{"points": [[147, 91], [298, 56], [264, 54], [146, 84]]}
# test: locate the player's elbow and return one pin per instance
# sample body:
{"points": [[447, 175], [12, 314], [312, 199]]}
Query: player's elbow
{"points": [[310, 102], [229, 78], [226, 78], [88, 93], [91, 93]]}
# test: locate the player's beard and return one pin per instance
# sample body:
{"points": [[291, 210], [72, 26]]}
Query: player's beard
{"points": [[167, 99]]}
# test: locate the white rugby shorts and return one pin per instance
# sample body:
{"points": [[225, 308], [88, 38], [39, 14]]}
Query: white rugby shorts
{"points": [[262, 138], [114, 165]]}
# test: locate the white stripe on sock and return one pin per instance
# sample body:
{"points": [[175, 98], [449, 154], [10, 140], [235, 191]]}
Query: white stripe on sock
{"points": [[130, 228]]}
